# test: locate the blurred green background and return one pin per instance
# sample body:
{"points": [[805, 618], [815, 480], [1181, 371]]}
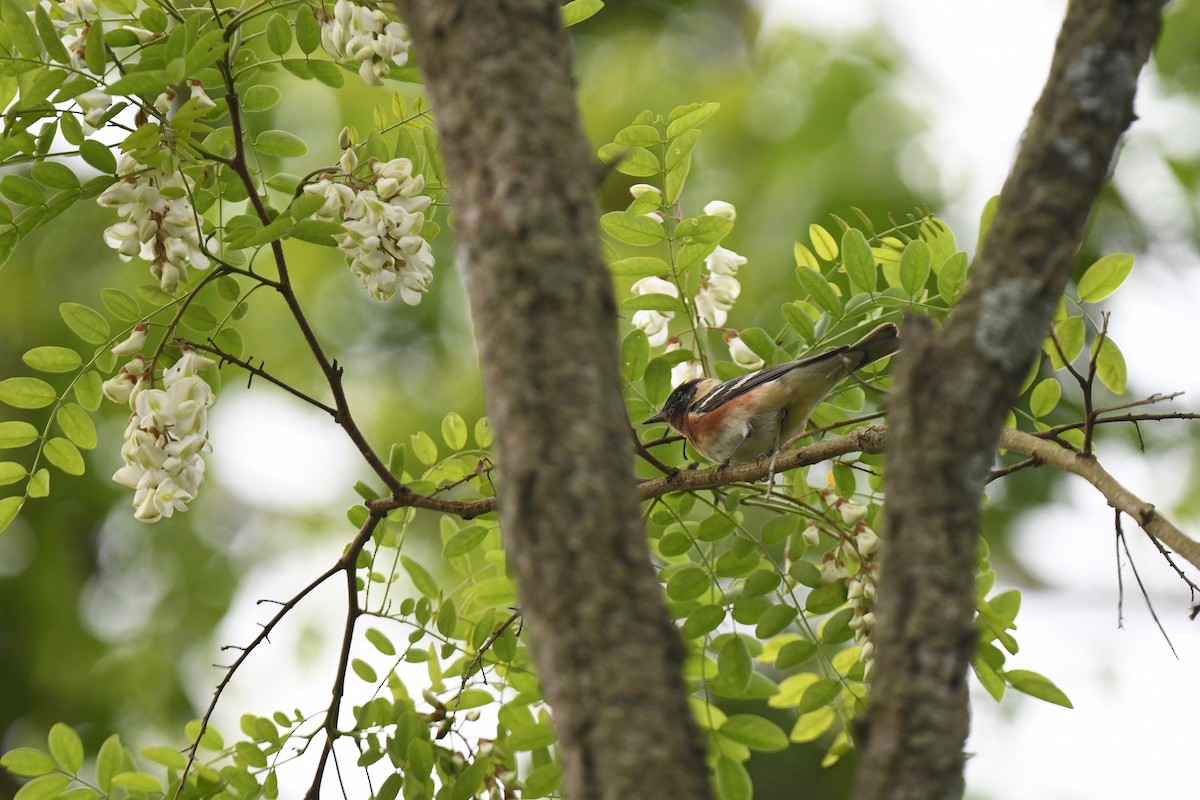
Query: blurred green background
{"points": [[107, 624]]}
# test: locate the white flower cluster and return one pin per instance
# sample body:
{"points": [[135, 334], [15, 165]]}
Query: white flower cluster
{"points": [[381, 220], [167, 431], [158, 226], [69, 18], [718, 290], [361, 33], [859, 544]]}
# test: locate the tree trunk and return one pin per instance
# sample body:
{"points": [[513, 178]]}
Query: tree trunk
{"points": [[953, 389], [522, 179]]}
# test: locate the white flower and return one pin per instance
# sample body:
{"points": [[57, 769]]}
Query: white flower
{"points": [[160, 229], [812, 536], [639, 189], [94, 104], [203, 101], [719, 208], [162, 103], [349, 161], [684, 370], [654, 323], [742, 355], [852, 513], [187, 366], [867, 541], [133, 343], [715, 297], [722, 261], [653, 285], [358, 33]]}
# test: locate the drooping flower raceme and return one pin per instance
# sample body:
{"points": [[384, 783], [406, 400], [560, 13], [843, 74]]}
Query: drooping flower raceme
{"points": [[361, 33], [168, 430], [381, 219], [159, 224], [719, 289]]}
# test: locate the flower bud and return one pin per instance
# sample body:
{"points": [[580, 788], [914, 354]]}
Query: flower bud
{"points": [[867, 541], [348, 161], [133, 343], [639, 189], [719, 208], [853, 513], [346, 137], [812, 536]]}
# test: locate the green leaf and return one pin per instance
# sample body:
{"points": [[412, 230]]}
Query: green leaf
{"points": [[825, 598], [27, 762], [678, 155], [382, 643], [812, 725], [915, 265], [631, 229], [122, 304], [793, 654], [327, 73], [52, 359], [638, 136], [424, 448], [821, 693], [26, 393], [464, 541], [684, 118], [574, 13], [47, 787], [759, 342], [261, 96], [1045, 397], [77, 425], [688, 583], [308, 30], [64, 455], [734, 664], [635, 353], [651, 302], [755, 732], [145, 82], [87, 323], [66, 747], [1104, 277], [280, 143], [39, 483], [1039, 686], [364, 670], [1070, 333], [454, 431], [54, 175], [774, 620], [279, 34], [16, 434], [9, 508], [704, 229], [421, 578], [94, 53], [703, 621], [732, 780], [823, 242], [819, 290], [859, 261], [636, 161], [1110, 364], [21, 30], [89, 390], [139, 782], [21, 190], [953, 277], [639, 267], [799, 320], [166, 756], [99, 156], [804, 257], [11, 472]]}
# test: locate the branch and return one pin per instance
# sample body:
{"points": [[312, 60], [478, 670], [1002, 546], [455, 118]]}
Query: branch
{"points": [[1120, 498], [953, 388]]}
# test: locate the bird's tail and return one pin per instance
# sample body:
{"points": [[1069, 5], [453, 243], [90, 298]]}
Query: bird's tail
{"points": [[879, 343]]}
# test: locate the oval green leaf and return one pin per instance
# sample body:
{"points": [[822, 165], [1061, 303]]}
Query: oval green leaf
{"points": [[755, 732], [87, 323], [16, 433], [26, 392], [77, 425], [64, 455], [1110, 365], [280, 143], [66, 747], [1104, 277], [1036, 685], [859, 261], [52, 359]]}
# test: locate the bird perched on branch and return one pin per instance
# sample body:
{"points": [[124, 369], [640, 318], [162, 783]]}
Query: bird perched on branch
{"points": [[747, 418]]}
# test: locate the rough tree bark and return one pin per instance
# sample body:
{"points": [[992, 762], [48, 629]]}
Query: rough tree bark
{"points": [[522, 179], [953, 389]]}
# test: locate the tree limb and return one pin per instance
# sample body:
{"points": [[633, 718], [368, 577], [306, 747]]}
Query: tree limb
{"points": [[519, 169], [954, 387]]}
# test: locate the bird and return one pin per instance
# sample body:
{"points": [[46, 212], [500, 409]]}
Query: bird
{"points": [[751, 417]]}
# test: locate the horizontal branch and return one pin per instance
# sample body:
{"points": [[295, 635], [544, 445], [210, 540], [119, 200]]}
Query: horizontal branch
{"points": [[1117, 495]]}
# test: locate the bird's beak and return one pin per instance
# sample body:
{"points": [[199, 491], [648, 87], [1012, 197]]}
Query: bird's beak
{"points": [[659, 417]]}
